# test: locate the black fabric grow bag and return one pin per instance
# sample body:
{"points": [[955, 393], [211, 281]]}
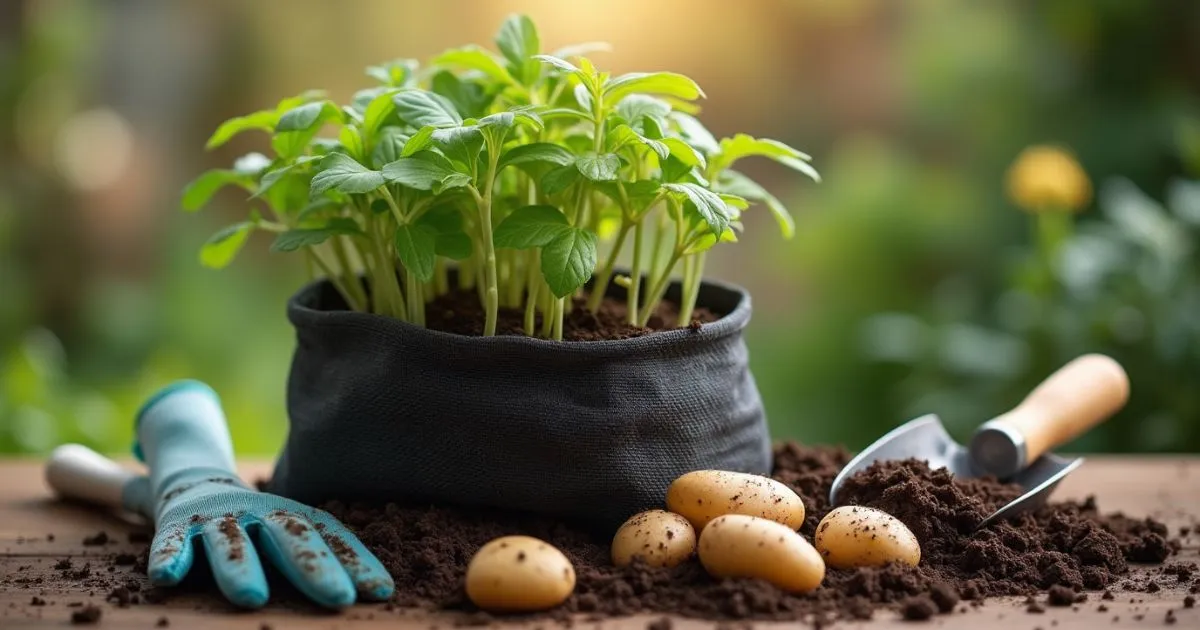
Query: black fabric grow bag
{"points": [[382, 410]]}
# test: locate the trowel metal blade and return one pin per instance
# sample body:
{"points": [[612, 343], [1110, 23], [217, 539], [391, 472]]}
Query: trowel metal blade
{"points": [[925, 438]]}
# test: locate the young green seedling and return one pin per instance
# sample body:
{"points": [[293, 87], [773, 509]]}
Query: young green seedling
{"points": [[508, 168]]}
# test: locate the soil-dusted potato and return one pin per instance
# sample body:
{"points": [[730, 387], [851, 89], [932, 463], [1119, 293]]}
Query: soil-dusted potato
{"points": [[856, 536], [519, 574], [703, 495], [736, 545], [658, 537]]}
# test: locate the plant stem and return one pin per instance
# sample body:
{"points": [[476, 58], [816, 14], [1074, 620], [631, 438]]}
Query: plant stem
{"points": [[531, 296], [558, 318], [515, 281], [351, 278], [491, 291], [547, 312], [416, 298], [333, 279], [691, 287], [600, 286], [466, 273], [635, 275], [660, 288], [660, 240]]}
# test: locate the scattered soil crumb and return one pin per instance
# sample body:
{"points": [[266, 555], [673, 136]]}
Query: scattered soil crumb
{"points": [[87, 615], [918, 608], [1060, 595], [662, 623], [96, 540]]}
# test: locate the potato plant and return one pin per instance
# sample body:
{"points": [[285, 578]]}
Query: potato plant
{"points": [[509, 168]]}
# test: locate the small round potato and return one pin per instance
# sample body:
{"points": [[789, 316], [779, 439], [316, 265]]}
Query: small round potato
{"points": [[519, 574], [658, 537], [736, 545], [856, 536], [703, 495]]}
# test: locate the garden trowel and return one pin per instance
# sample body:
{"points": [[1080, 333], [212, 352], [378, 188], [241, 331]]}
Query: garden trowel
{"points": [[1015, 446]]}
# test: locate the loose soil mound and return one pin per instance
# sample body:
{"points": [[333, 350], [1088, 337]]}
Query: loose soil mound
{"points": [[1063, 548]]}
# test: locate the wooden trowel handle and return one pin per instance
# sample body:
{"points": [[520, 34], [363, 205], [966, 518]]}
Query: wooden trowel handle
{"points": [[1077, 397]]}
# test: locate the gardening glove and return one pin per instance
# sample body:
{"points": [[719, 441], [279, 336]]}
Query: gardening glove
{"points": [[192, 492], [195, 493]]}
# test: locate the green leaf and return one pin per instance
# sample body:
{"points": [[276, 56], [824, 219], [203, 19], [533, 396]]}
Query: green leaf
{"points": [[685, 152], [566, 66], [417, 248], [221, 248], [621, 135], [707, 240], [469, 98], [710, 206], [455, 245], [742, 146], [263, 120], [530, 226], [395, 73], [583, 97], [664, 83], [475, 58], [635, 107], [419, 172], [270, 178], [290, 144], [378, 112], [389, 146], [421, 108], [341, 172], [419, 141], [640, 194], [201, 190], [602, 167], [461, 144], [506, 120], [695, 133], [569, 260], [565, 112], [536, 152], [451, 181], [446, 223], [559, 179], [293, 240], [735, 183], [308, 116], [518, 42]]}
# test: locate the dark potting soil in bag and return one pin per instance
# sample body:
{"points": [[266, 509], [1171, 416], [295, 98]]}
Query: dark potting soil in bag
{"points": [[382, 410]]}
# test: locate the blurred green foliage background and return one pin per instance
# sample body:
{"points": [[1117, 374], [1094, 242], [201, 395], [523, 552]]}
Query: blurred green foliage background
{"points": [[913, 285]]}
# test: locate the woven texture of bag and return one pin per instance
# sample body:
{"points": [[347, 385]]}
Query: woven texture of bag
{"points": [[381, 410]]}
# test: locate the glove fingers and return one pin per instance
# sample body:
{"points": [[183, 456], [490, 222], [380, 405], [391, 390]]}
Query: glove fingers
{"points": [[370, 578], [235, 564], [295, 547], [171, 555]]}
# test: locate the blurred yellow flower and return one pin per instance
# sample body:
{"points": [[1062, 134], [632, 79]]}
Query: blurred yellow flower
{"points": [[1048, 179]]}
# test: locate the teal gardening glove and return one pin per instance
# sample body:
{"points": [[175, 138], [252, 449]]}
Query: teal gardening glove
{"points": [[194, 494]]}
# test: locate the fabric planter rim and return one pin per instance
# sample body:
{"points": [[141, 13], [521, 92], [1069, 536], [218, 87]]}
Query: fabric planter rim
{"points": [[302, 312]]}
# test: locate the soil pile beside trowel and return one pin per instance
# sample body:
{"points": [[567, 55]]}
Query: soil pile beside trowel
{"points": [[1068, 545]]}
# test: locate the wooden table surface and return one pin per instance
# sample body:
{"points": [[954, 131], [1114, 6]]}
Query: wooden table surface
{"points": [[1167, 488]]}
